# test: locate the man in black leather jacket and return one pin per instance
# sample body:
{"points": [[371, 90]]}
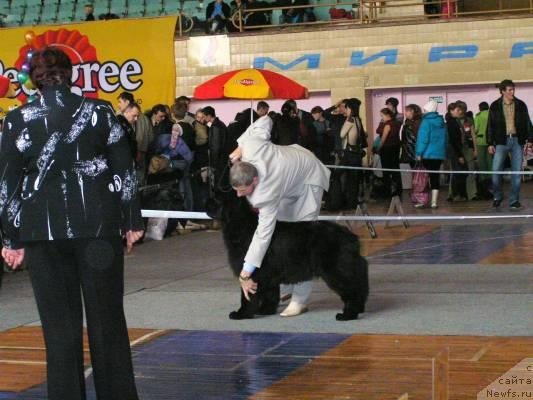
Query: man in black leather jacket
{"points": [[509, 128]]}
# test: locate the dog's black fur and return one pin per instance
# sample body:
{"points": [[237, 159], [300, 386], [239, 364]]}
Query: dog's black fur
{"points": [[299, 251]]}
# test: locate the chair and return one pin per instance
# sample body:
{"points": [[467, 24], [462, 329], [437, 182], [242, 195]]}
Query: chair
{"points": [[65, 13], [49, 13], [100, 7], [12, 20], [79, 11], [32, 15], [153, 8], [171, 7], [4, 8], [118, 7], [135, 8], [18, 7]]}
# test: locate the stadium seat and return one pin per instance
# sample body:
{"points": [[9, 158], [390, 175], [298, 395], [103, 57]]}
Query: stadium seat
{"points": [[79, 12], [171, 7], [135, 8], [32, 3], [32, 15], [49, 13], [192, 9], [153, 8], [12, 20], [65, 13], [17, 8], [4, 7], [100, 7], [118, 7]]}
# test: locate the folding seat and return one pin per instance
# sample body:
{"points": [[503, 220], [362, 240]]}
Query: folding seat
{"points": [[32, 14], [135, 8], [118, 7], [153, 8], [12, 20], [100, 7], [65, 12], [49, 13], [171, 7]]}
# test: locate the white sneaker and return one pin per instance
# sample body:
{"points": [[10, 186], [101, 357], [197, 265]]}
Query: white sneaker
{"points": [[294, 309]]}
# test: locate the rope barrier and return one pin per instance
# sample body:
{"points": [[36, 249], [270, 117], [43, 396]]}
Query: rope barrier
{"points": [[376, 218], [432, 172]]}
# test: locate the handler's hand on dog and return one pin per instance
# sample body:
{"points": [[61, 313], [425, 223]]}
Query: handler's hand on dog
{"points": [[13, 258], [248, 286], [132, 237]]}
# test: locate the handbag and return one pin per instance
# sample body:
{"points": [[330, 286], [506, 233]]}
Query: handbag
{"points": [[420, 192]]}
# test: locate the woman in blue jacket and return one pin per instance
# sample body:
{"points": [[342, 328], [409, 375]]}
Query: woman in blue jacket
{"points": [[431, 146]]}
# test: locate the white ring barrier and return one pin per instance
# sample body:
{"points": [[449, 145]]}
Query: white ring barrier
{"points": [[433, 172], [202, 215]]}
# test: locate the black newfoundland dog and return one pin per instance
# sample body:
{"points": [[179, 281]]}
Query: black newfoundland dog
{"points": [[299, 251]]}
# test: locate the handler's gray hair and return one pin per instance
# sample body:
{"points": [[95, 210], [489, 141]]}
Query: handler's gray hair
{"points": [[242, 174]]}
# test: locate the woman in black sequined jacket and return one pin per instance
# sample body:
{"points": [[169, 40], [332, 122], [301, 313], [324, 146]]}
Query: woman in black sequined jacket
{"points": [[68, 194]]}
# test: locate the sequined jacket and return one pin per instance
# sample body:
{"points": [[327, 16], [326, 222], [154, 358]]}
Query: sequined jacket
{"points": [[66, 171]]}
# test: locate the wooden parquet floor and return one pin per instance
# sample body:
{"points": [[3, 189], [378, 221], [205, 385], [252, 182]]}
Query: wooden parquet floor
{"points": [[23, 356], [373, 367], [263, 366]]}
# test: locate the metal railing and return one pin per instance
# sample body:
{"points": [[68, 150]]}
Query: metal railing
{"points": [[371, 11]]}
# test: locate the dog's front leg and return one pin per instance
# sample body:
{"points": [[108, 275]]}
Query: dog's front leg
{"points": [[248, 308]]}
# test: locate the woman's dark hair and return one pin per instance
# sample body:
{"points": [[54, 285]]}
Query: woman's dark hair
{"points": [[354, 105], [451, 106], [392, 101], [126, 96], [386, 111], [286, 108], [417, 111], [50, 66], [273, 114], [461, 105], [158, 108], [316, 110], [483, 106]]}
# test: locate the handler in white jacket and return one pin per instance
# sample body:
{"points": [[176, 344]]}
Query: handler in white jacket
{"points": [[284, 183]]}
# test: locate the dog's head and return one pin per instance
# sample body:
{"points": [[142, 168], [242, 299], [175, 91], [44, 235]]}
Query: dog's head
{"points": [[228, 208]]}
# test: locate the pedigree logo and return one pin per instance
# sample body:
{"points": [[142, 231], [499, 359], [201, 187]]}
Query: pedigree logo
{"points": [[246, 82], [89, 74]]}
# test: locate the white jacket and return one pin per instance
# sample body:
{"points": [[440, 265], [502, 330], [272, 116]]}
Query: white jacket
{"points": [[285, 172]]}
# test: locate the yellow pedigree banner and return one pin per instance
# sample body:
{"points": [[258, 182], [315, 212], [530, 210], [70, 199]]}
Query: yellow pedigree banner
{"points": [[108, 57]]}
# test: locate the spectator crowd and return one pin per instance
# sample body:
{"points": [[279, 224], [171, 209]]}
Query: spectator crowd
{"points": [[171, 138]]}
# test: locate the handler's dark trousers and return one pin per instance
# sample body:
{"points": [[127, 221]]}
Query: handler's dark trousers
{"points": [[60, 271]]}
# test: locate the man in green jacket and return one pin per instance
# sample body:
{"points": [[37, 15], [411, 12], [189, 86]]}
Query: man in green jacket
{"points": [[484, 159]]}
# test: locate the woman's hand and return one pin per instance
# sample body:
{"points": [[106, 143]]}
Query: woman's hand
{"points": [[132, 237], [236, 155], [13, 258]]}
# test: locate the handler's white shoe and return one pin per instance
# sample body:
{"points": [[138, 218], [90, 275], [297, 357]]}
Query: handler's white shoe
{"points": [[294, 309]]}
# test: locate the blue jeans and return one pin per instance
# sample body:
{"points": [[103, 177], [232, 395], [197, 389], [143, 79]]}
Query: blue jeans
{"points": [[516, 151]]}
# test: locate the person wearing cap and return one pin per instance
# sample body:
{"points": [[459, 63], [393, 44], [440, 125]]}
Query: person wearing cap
{"points": [[431, 145], [392, 104], [509, 128]]}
